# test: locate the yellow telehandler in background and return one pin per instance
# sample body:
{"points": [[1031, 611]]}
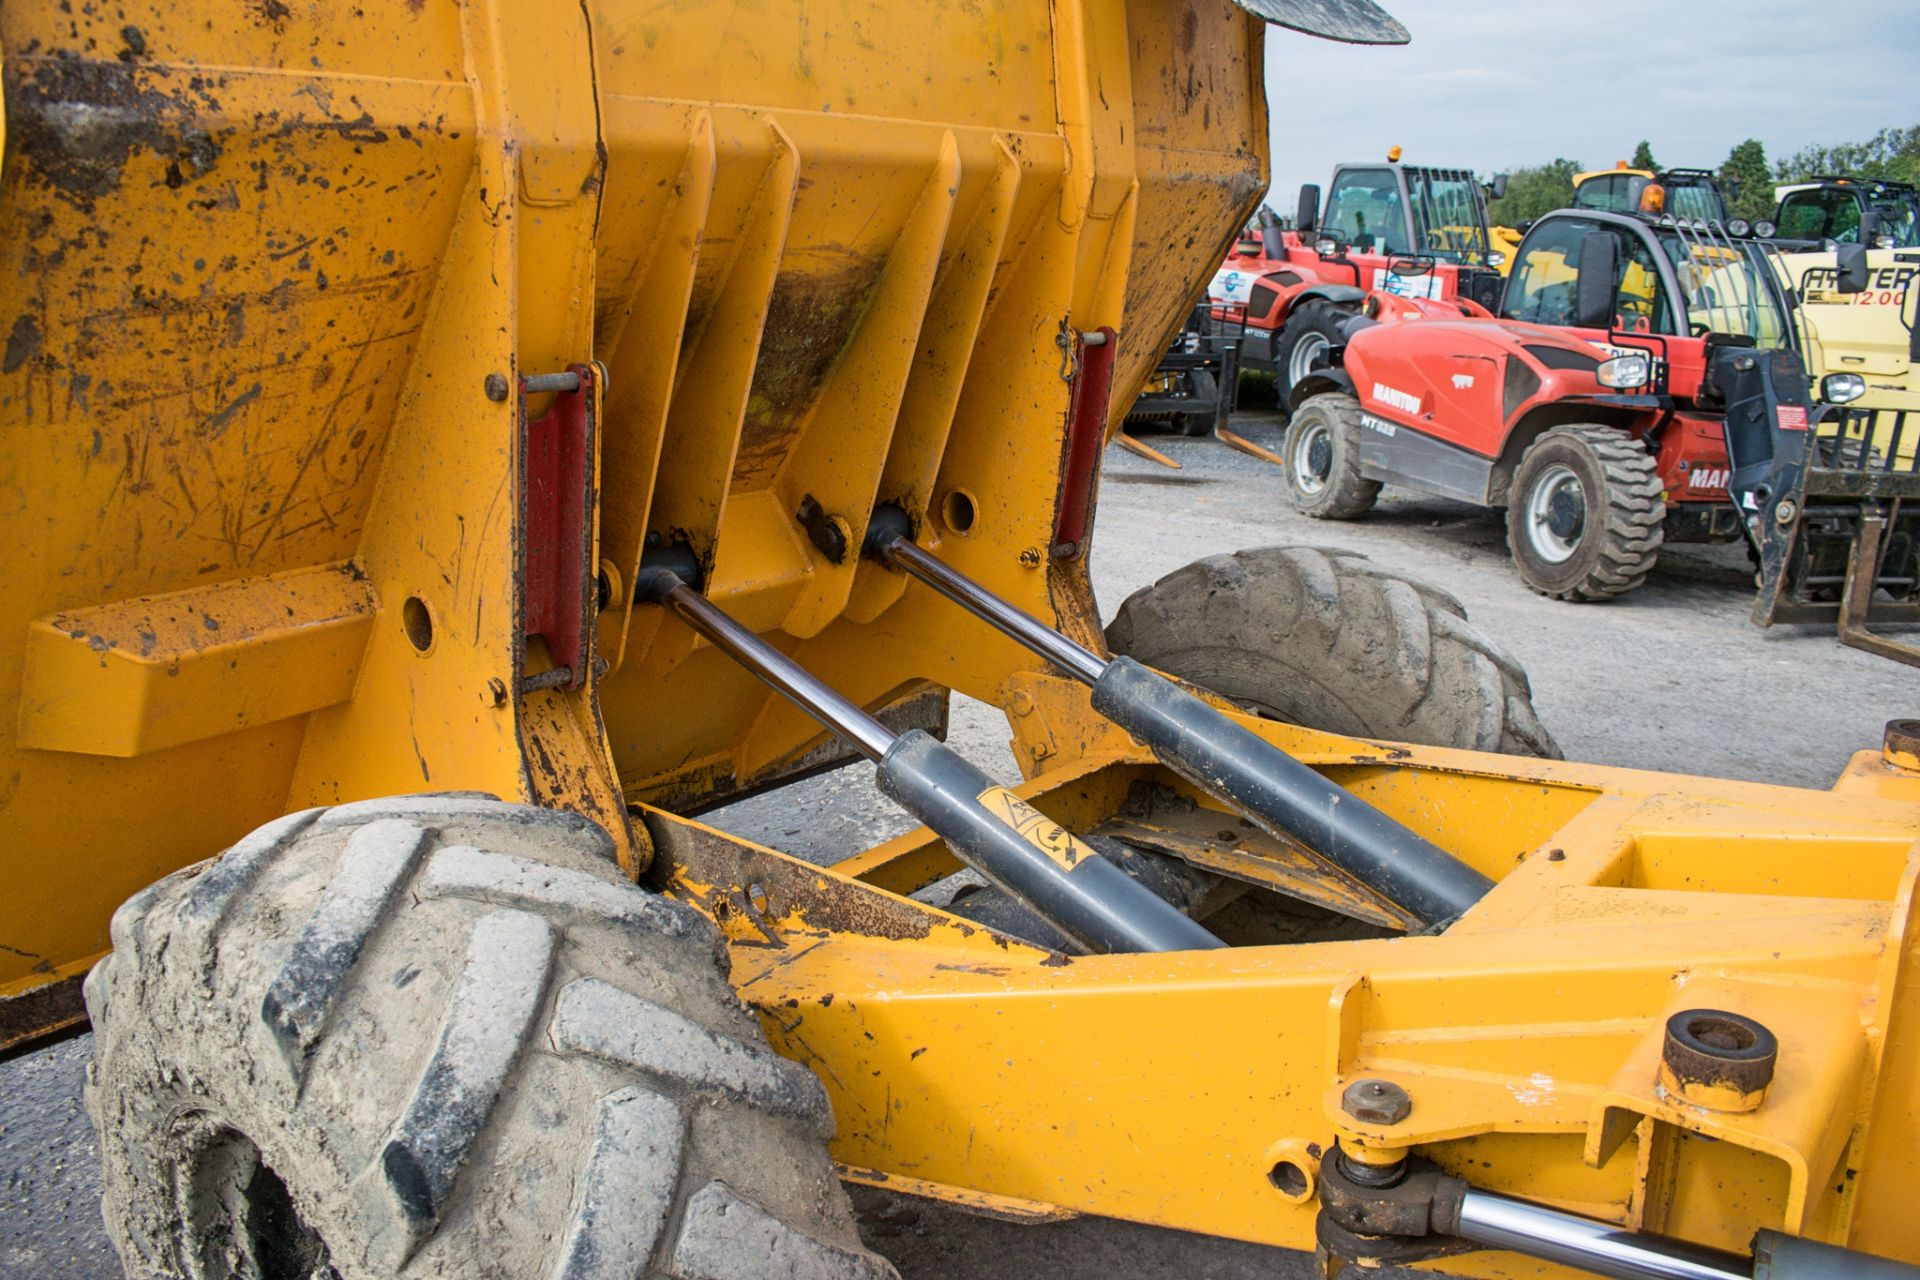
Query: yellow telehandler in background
{"points": [[447, 446]]}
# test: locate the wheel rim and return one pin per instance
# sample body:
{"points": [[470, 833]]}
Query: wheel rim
{"points": [[1312, 459], [1308, 354], [1556, 514], [242, 1213]]}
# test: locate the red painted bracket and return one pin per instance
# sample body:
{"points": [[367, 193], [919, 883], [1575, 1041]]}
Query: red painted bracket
{"points": [[559, 581], [1092, 363]]}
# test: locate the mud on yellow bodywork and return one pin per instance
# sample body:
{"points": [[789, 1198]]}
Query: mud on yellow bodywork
{"points": [[269, 275]]}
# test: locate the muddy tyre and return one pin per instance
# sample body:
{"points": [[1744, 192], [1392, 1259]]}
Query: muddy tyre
{"points": [[1331, 640], [1322, 450], [1586, 514], [440, 1036], [1304, 343]]}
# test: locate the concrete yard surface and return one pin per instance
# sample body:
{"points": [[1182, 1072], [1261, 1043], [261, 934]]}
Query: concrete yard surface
{"points": [[1671, 677]]}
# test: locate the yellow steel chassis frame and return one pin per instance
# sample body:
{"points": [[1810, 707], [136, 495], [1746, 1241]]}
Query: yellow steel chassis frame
{"points": [[267, 516], [1167, 1088]]}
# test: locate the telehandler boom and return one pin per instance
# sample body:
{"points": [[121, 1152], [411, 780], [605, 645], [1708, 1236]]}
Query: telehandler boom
{"points": [[449, 446]]}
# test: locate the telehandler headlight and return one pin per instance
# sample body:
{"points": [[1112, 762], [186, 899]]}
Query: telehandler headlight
{"points": [[1739, 227], [1764, 229], [1842, 388], [1623, 373], [1496, 259]]}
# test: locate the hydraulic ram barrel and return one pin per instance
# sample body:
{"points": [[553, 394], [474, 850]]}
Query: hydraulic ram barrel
{"points": [[1062, 879], [1215, 754]]}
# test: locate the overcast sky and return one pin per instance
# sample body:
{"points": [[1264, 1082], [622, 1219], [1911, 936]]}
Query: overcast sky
{"points": [[1503, 83]]}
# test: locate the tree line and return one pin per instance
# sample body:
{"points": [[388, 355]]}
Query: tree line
{"points": [[1892, 153]]}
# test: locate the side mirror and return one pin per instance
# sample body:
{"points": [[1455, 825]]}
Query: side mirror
{"points": [[1851, 259], [1593, 303], [1307, 215], [1499, 187]]}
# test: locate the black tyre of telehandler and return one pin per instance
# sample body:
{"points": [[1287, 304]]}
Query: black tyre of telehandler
{"points": [[1205, 389], [1322, 452], [1333, 641], [1302, 345], [1586, 514], [441, 1036]]}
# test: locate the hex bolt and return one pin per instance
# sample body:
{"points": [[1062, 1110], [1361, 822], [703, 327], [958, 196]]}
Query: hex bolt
{"points": [[1786, 512], [496, 385], [1376, 1102]]}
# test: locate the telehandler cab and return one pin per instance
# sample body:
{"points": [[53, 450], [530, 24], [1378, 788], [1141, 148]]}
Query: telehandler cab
{"points": [[1693, 194], [1871, 211], [450, 446], [1409, 230]]}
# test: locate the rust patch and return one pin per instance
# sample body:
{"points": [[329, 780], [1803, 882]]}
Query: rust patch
{"points": [[824, 901], [79, 123], [811, 320], [1719, 1050]]}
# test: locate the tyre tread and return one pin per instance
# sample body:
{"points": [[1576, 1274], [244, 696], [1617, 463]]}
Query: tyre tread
{"points": [[1429, 674], [412, 1129], [1348, 494], [1635, 513]]}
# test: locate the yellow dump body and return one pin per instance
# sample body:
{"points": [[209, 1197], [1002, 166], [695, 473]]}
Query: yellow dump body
{"points": [[259, 262]]}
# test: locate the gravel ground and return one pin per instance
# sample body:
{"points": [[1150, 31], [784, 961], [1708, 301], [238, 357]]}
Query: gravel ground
{"points": [[1672, 677]]}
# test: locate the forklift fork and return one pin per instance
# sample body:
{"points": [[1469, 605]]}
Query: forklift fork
{"points": [[1863, 569]]}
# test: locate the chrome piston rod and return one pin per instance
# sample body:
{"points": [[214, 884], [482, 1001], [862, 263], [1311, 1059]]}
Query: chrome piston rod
{"points": [[1500, 1222]]}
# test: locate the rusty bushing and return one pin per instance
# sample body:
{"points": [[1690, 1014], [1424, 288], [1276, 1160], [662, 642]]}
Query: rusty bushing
{"points": [[1901, 746], [1376, 1102], [1717, 1060]]}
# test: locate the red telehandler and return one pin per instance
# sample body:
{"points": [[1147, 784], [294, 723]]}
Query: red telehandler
{"points": [[1594, 405]]}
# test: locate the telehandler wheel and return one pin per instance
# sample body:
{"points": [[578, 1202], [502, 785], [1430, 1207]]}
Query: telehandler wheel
{"points": [[1586, 513], [440, 1036], [1331, 640], [1303, 342], [1206, 390], [1322, 450]]}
